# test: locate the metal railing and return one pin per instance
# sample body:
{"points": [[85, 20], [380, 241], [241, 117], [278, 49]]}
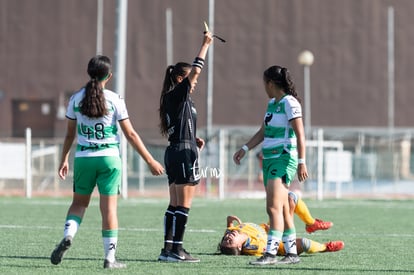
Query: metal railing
{"points": [[366, 162]]}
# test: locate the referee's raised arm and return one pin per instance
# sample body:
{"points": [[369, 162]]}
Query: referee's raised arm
{"points": [[198, 62]]}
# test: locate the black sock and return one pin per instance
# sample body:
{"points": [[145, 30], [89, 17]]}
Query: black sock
{"points": [[180, 221], [168, 227]]}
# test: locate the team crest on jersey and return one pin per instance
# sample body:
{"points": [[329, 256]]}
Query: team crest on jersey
{"points": [[268, 118]]}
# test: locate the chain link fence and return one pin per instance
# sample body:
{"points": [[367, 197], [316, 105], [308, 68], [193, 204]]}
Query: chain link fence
{"points": [[342, 162]]}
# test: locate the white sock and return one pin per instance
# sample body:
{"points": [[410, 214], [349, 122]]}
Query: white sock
{"points": [[110, 248], [289, 242], [273, 241], [71, 227]]}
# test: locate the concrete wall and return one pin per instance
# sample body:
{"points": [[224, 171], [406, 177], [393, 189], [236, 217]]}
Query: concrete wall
{"points": [[45, 46]]}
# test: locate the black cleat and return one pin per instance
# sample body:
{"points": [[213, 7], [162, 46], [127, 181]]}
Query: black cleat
{"points": [[181, 256], [163, 255], [60, 250]]}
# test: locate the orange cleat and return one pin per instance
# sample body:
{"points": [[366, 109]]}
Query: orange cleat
{"points": [[334, 246], [318, 225]]}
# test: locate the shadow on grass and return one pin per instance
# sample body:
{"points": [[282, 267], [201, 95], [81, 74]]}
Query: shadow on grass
{"points": [[337, 270], [246, 267], [48, 258], [41, 262]]}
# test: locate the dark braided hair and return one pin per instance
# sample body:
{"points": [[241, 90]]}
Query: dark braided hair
{"points": [[170, 81], [281, 77], [93, 104], [224, 249]]}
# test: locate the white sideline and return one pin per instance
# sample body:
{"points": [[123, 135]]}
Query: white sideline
{"points": [[12, 226], [326, 234]]}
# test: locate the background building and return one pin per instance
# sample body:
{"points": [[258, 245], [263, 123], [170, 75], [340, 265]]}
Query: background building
{"points": [[355, 109], [45, 46]]}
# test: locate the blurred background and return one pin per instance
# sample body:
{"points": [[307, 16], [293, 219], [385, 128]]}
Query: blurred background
{"points": [[350, 61]]}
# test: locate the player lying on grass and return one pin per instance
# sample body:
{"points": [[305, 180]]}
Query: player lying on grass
{"points": [[250, 239], [243, 235]]}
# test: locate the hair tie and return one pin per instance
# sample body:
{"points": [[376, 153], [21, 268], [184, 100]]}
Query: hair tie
{"points": [[105, 77]]}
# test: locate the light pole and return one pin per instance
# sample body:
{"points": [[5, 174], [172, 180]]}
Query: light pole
{"points": [[119, 77], [306, 58], [99, 27], [210, 82]]}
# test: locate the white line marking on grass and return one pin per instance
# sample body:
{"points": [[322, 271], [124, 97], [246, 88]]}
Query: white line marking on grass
{"points": [[13, 226], [339, 204], [160, 229], [137, 229], [141, 229], [350, 234], [94, 202], [212, 231], [34, 202]]}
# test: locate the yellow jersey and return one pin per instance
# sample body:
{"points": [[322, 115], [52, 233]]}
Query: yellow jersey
{"points": [[256, 242], [257, 238]]}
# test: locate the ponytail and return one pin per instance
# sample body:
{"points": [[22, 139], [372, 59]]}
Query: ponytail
{"points": [[93, 104], [281, 77], [170, 81], [289, 86], [167, 85]]}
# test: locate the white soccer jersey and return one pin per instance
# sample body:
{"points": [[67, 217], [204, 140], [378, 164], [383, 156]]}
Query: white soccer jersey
{"points": [[98, 136], [279, 134]]}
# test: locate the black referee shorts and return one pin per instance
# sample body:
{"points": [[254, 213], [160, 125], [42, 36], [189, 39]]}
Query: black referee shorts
{"points": [[181, 163]]}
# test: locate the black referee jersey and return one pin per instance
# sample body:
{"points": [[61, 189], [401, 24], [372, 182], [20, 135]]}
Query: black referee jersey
{"points": [[181, 114]]}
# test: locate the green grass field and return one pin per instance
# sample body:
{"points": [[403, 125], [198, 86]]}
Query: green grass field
{"points": [[378, 237]]}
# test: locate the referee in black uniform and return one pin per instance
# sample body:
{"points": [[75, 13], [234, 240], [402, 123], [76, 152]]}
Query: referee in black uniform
{"points": [[178, 122]]}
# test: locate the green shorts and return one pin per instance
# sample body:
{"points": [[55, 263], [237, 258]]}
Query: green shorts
{"points": [[283, 167], [105, 172]]}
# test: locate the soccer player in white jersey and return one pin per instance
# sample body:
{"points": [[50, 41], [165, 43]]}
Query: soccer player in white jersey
{"points": [[283, 138], [93, 115]]}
